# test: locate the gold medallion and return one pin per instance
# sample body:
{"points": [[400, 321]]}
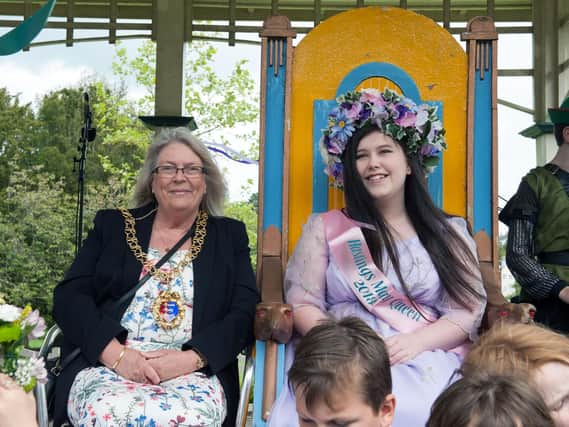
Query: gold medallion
{"points": [[168, 309]]}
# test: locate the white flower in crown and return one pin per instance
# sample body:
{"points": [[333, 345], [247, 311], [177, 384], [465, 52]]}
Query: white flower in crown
{"points": [[416, 127]]}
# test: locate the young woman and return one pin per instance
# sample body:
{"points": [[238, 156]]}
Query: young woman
{"points": [[390, 257]]}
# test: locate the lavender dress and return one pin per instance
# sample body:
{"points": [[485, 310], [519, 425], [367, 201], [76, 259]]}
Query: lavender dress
{"points": [[312, 278]]}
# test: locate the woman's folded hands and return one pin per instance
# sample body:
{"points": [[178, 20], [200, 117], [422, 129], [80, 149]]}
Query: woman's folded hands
{"points": [[151, 367], [128, 363], [171, 363], [135, 367]]}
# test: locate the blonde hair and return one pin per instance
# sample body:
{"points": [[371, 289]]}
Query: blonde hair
{"points": [[213, 200], [516, 349]]}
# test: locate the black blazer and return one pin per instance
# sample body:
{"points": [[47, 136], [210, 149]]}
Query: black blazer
{"points": [[225, 297]]}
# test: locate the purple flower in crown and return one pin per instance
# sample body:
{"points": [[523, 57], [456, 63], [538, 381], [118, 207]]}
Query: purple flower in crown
{"points": [[342, 127], [429, 150], [354, 111], [336, 169], [406, 118], [416, 127], [365, 114], [393, 111], [335, 146]]}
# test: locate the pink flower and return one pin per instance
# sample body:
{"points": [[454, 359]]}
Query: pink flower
{"points": [[407, 119], [354, 112], [422, 117], [37, 369], [373, 96], [36, 321]]}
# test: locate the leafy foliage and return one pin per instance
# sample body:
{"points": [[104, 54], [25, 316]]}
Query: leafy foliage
{"points": [[36, 237]]}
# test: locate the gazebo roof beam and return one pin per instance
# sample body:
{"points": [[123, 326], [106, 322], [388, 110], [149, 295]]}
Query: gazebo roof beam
{"points": [[296, 10]]}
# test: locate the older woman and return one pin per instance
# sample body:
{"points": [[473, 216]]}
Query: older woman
{"points": [[167, 356]]}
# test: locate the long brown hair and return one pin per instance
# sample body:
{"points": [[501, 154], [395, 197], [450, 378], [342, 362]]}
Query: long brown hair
{"points": [[449, 253]]}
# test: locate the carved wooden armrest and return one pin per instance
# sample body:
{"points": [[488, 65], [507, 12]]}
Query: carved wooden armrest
{"points": [[273, 321]]}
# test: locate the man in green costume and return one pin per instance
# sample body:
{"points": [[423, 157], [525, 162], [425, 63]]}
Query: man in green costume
{"points": [[538, 238]]}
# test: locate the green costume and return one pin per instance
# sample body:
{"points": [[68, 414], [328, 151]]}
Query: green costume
{"points": [[552, 228], [538, 237], [538, 242]]}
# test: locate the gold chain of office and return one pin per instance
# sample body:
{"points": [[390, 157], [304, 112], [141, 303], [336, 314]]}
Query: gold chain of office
{"points": [[164, 276]]}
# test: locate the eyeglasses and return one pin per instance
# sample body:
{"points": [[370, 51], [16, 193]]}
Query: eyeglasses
{"points": [[169, 171]]}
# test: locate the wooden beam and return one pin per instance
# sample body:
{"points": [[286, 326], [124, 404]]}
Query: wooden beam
{"points": [[258, 10], [490, 7], [232, 9], [69, 26], [189, 21], [446, 14], [27, 13], [113, 15]]}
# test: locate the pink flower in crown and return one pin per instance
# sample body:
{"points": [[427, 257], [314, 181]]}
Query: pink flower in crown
{"points": [[407, 118], [372, 96], [335, 146], [353, 113], [422, 117], [429, 150]]}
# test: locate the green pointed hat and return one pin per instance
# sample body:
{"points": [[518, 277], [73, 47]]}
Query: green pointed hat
{"points": [[561, 114]]}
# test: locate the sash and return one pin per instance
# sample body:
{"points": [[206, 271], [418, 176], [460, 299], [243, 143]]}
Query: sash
{"points": [[370, 285]]}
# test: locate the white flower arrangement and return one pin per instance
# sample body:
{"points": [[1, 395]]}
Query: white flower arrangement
{"points": [[17, 327]]}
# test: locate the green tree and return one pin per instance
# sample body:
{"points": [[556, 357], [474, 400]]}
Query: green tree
{"points": [[246, 212], [221, 106], [17, 128], [36, 237]]}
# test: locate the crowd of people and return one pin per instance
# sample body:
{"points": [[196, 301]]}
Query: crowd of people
{"points": [[387, 293]]}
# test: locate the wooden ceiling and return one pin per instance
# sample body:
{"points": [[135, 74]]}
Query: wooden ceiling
{"points": [[135, 17]]}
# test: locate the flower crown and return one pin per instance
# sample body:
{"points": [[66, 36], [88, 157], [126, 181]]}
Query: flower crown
{"points": [[417, 127]]}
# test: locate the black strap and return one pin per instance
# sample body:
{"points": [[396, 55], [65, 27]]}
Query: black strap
{"points": [[56, 370]]}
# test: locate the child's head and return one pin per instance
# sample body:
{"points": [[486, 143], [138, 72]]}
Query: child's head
{"points": [[341, 374], [517, 349], [485, 400], [531, 352]]}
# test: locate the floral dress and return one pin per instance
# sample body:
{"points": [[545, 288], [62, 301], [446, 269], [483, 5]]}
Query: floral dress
{"points": [[101, 397]]}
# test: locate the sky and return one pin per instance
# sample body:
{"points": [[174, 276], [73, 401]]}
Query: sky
{"points": [[47, 68]]}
